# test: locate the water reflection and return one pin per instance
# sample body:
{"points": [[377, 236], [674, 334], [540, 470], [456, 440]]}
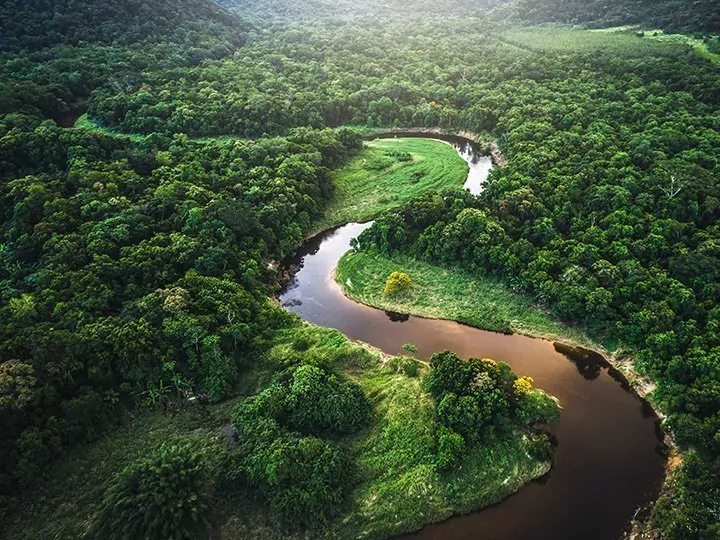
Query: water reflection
{"points": [[588, 363], [397, 317]]}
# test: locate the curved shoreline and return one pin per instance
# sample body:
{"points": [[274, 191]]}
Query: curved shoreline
{"points": [[623, 371], [483, 147], [635, 473]]}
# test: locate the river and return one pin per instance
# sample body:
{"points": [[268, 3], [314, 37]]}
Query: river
{"points": [[610, 457]]}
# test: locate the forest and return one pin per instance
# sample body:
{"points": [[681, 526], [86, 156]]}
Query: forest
{"points": [[159, 158]]}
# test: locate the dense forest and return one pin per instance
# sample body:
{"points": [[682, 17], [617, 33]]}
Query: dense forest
{"points": [[157, 157], [692, 16], [695, 16]]}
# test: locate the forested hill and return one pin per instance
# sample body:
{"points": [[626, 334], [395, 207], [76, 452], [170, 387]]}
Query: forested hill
{"points": [[37, 24], [671, 15], [314, 10], [691, 16]]}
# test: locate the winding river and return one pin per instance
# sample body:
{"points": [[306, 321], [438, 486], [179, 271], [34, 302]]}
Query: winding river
{"points": [[610, 456]]}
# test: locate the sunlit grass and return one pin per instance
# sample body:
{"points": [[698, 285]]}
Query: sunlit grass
{"points": [[438, 292], [377, 179], [623, 42]]}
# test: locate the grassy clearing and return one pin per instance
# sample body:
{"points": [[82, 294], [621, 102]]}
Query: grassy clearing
{"points": [[624, 42], [398, 491], [388, 172], [86, 123], [438, 292]]}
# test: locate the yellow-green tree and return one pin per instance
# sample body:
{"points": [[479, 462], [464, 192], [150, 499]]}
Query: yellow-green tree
{"points": [[396, 283]]}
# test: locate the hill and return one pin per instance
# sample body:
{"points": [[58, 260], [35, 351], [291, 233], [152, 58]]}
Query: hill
{"points": [[671, 15], [683, 16], [37, 24]]}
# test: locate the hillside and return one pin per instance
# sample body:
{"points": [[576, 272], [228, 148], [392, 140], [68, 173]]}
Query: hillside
{"points": [[671, 15], [37, 24], [682, 16]]}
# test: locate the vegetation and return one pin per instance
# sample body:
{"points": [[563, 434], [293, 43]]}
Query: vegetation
{"points": [[448, 293], [164, 495], [405, 484], [134, 269], [388, 172], [674, 15], [164, 245]]}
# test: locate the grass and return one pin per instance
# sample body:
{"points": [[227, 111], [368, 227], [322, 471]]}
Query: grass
{"points": [[443, 293], [388, 172], [401, 491], [398, 491], [86, 123], [624, 42]]}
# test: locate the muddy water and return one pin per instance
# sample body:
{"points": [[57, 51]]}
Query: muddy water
{"points": [[609, 456]]}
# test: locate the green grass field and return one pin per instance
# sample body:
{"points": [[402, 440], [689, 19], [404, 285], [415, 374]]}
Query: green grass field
{"points": [[620, 41], [388, 172], [443, 293]]}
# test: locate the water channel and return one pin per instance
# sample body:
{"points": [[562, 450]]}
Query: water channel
{"points": [[610, 456]]}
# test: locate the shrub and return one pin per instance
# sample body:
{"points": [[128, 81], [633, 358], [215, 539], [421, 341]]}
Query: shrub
{"points": [[397, 282], [451, 448], [404, 364], [162, 496], [303, 479], [536, 406], [321, 402], [523, 386], [540, 447], [307, 479]]}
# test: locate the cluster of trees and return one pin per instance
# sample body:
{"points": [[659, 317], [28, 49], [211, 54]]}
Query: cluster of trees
{"points": [[288, 452], [138, 269], [376, 76], [38, 24], [165, 495], [480, 398]]}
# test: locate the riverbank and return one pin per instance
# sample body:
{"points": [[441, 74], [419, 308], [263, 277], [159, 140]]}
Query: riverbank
{"points": [[485, 303], [484, 144], [600, 417], [442, 293]]}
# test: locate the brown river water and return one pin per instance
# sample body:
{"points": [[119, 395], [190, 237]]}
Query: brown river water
{"points": [[609, 458]]}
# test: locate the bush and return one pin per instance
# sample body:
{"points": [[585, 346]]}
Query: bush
{"points": [[163, 496], [303, 479], [451, 448], [397, 282], [536, 406], [540, 447], [307, 479], [403, 364], [320, 402]]}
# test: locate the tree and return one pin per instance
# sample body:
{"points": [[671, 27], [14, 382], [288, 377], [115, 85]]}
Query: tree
{"points": [[396, 283], [164, 495]]}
